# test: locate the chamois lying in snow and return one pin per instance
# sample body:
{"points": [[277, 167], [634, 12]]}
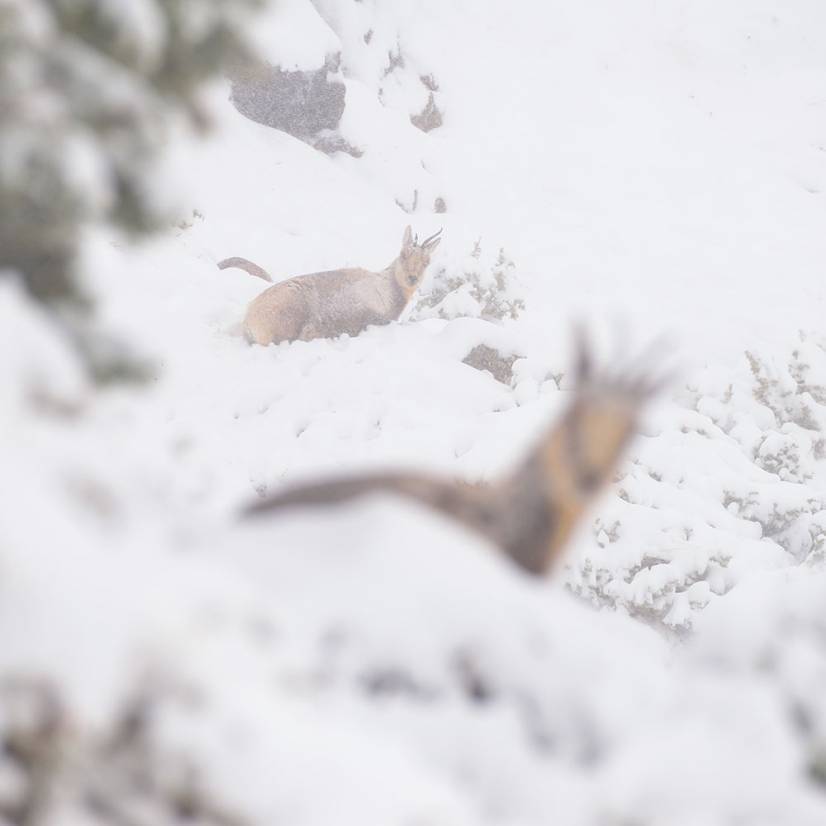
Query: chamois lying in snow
{"points": [[327, 304], [531, 512]]}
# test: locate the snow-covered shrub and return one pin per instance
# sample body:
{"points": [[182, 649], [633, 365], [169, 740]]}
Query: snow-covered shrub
{"points": [[773, 629], [768, 422], [481, 285], [87, 91], [38, 369], [56, 771]]}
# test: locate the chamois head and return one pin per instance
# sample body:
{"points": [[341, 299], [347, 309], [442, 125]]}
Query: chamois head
{"points": [[413, 260], [602, 418]]}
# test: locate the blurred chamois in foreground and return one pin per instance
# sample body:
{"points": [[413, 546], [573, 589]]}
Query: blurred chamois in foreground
{"points": [[532, 510]]}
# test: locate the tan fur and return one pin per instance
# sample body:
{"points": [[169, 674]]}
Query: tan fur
{"points": [[327, 304], [531, 513], [244, 264], [602, 428]]}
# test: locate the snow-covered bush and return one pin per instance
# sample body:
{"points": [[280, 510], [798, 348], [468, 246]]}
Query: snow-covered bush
{"points": [[480, 285], [768, 421], [88, 90]]}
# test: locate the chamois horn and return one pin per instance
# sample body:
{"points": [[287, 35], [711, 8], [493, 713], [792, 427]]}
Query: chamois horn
{"points": [[429, 240]]}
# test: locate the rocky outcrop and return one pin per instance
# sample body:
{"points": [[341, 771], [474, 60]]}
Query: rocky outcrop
{"points": [[429, 118], [489, 359], [301, 103]]}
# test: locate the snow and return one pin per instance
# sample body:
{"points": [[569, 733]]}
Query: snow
{"points": [[35, 359], [292, 33], [655, 168]]}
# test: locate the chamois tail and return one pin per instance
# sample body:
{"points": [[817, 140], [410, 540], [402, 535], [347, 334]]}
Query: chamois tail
{"points": [[248, 266]]}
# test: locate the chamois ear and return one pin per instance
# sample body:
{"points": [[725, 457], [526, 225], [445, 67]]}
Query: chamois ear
{"points": [[407, 239]]}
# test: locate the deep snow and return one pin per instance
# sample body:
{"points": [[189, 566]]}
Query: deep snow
{"points": [[659, 167]]}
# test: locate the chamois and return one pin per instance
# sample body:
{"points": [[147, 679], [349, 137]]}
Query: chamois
{"points": [[327, 304], [530, 513]]}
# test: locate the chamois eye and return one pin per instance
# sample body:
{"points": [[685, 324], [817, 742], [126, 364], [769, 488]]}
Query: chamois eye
{"points": [[412, 279]]}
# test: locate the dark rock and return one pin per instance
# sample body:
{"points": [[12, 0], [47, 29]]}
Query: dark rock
{"points": [[429, 118], [299, 103], [429, 82], [330, 142], [395, 60], [500, 366]]}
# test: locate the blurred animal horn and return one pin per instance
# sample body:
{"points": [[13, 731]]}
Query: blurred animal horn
{"points": [[583, 358]]}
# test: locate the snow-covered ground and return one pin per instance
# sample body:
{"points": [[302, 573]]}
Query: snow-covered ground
{"points": [[649, 167]]}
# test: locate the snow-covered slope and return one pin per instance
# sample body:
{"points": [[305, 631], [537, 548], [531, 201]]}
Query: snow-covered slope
{"points": [[655, 168]]}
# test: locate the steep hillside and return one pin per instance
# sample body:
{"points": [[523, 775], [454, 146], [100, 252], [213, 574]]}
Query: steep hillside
{"points": [[654, 169]]}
